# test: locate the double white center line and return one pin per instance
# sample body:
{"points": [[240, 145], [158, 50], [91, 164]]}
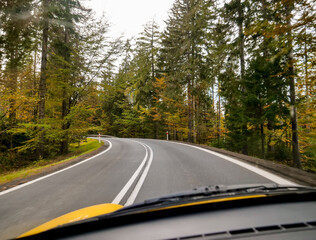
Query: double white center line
{"points": [[137, 179]]}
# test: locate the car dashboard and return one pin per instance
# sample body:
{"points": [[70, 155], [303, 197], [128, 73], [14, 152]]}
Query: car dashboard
{"points": [[273, 221]]}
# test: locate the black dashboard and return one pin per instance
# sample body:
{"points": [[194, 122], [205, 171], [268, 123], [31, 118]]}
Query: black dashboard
{"points": [[291, 220]]}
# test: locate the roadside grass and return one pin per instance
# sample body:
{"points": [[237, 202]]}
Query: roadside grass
{"points": [[37, 167]]}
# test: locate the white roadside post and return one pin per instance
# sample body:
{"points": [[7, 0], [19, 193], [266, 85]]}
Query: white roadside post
{"points": [[99, 138], [167, 133]]}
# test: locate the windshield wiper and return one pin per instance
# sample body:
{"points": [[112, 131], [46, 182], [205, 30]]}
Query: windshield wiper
{"points": [[215, 191]]}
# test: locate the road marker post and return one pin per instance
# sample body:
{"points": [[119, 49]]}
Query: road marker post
{"points": [[167, 133], [99, 137]]}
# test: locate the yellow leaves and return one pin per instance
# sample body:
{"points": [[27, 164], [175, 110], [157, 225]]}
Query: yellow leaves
{"points": [[176, 120], [142, 118], [157, 117], [21, 102], [266, 106], [144, 111], [149, 112], [250, 127], [160, 83]]}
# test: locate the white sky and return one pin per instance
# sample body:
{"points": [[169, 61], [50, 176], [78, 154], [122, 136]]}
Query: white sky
{"points": [[129, 16]]}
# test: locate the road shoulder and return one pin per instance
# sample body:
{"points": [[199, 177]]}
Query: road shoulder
{"points": [[290, 173], [47, 170]]}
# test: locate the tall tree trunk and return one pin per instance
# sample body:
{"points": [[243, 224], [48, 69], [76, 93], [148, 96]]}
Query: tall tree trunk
{"points": [[13, 86], [35, 87], [295, 143], [198, 121], [242, 68], [262, 140], [153, 72], [152, 53], [306, 80], [42, 83], [190, 107], [189, 76], [241, 40], [265, 55], [64, 147], [269, 140], [219, 116], [194, 110], [214, 117]]}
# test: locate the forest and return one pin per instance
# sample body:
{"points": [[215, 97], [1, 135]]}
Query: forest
{"points": [[234, 74]]}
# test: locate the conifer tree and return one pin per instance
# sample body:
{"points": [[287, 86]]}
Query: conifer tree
{"points": [[42, 83], [144, 67], [182, 54], [237, 15]]}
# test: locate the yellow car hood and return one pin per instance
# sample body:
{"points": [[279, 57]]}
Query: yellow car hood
{"points": [[102, 209], [75, 216]]}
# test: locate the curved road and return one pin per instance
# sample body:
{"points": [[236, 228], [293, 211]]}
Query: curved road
{"points": [[130, 170]]}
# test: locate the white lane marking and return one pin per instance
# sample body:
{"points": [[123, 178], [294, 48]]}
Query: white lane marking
{"points": [[54, 173], [127, 186], [140, 182], [258, 171]]}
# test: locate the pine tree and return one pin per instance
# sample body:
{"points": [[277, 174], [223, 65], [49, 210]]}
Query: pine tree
{"points": [[237, 14], [42, 83], [144, 66], [182, 55], [291, 74], [71, 68]]}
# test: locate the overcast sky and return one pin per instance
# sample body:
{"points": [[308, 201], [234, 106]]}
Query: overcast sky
{"points": [[128, 16]]}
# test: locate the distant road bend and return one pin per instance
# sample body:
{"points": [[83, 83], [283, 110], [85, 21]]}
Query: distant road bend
{"points": [[130, 170]]}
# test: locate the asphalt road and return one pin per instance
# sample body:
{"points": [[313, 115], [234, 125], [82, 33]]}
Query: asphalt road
{"points": [[130, 170]]}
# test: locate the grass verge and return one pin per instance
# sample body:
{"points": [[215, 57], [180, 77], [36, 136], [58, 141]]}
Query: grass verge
{"points": [[37, 167]]}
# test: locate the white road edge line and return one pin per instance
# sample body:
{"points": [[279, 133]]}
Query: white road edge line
{"points": [[258, 171], [127, 186], [140, 182], [54, 173]]}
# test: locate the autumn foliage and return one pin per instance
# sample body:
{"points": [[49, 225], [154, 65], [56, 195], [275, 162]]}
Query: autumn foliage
{"points": [[229, 75]]}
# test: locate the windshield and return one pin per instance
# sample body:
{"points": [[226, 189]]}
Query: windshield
{"points": [[124, 101]]}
